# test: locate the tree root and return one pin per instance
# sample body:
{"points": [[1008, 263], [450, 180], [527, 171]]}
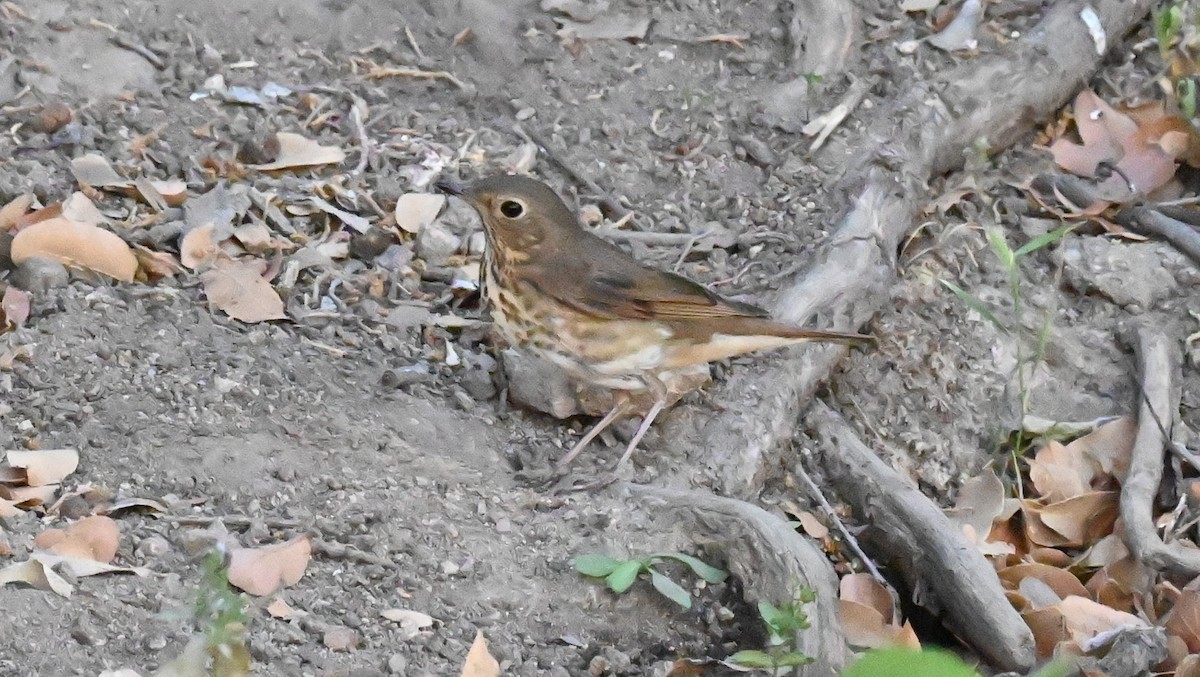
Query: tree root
{"points": [[947, 573], [770, 558], [1158, 372], [930, 128]]}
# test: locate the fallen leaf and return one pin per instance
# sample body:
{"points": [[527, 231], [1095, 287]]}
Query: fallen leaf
{"points": [[355, 221], [95, 171], [14, 305], [198, 247], [1083, 519], [11, 213], [919, 5], [1184, 619], [980, 501], [1059, 472], [811, 525], [411, 622], [1109, 446], [864, 589], [279, 608], [1062, 582], [94, 537], [1086, 619], [479, 662], [154, 265], [80, 567], [26, 497], [865, 627], [415, 211], [261, 571], [239, 289], [36, 574], [81, 209], [960, 34], [296, 150], [82, 245], [44, 466]]}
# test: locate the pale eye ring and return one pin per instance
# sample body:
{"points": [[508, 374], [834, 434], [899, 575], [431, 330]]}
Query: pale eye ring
{"points": [[512, 209]]}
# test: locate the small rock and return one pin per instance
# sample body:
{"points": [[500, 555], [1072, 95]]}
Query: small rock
{"points": [[74, 507], [504, 525], [153, 547], [404, 376], [479, 384], [38, 275], [397, 664], [196, 541], [366, 246], [1128, 273], [435, 244], [52, 117], [339, 638], [757, 150]]}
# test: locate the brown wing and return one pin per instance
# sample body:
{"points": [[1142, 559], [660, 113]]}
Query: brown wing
{"points": [[602, 280]]}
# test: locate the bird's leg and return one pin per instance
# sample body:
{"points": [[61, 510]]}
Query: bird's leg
{"points": [[617, 411], [660, 402]]}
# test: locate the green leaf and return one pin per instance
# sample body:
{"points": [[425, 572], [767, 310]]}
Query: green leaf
{"points": [[670, 589], [1001, 248], [706, 571], [752, 659], [1043, 240], [768, 611], [596, 565], [906, 662], [974, 304], [793, 659], [1057, 668], [623, 576]]}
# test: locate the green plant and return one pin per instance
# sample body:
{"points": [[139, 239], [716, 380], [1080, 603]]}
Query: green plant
{"points": [[784, 622], [219, 613], [1010, 260], [1168, 27], [900, 662], [620, 574]]}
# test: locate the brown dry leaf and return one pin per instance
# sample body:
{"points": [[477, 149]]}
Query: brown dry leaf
{"points": [[1144, 153], [1059, 472], [279, 608], [95, 171], [811, 525], [95, 537], [239, 289], [1184, 619], [198, 247], [261, 571], [14, 306], [80, 209], [9, 508], [76, 244], [864, 589], [1084, 519], [1109, 446], [27, 497], [296, 150], [255, 236], [479, 662], [1086, 619], [11, 213], [865, 627], [1049, 629], [153, 265], [1037, 532], [36, 574], [355, 221], [1062, 582], [45, 466], [1189, 666], [980, 501], [414, 211]]}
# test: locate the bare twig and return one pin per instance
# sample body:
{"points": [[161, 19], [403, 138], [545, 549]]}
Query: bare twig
{"points": [[832, 515], [1182, 235], [948, 573], [141, 50]]}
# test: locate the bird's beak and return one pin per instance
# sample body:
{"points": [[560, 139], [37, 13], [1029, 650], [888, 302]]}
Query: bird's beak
{"points": [[450, 187]]}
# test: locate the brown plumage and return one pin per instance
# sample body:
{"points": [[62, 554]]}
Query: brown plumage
{"points": [[583, 303]]}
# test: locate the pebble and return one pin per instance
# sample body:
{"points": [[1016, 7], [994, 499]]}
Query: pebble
{"points": [[397, 664], [38, 275], [435, 244]]}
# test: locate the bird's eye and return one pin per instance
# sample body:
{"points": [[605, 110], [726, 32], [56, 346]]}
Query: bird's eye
{"points": [[512, 209]]}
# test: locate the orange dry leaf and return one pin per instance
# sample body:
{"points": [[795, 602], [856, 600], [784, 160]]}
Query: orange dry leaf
{"points": [[14, 307], [980, 501], [44, 466], [1109, 446], [479, 662], [71, 243], [11, 213], [262, 571], [239, 289], [1062, 582], [414, 211], [1082, 520], [198, 247], [865, 590], [95, 537]]}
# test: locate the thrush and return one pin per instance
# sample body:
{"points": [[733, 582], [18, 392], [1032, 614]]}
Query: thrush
{"points": [[570, 297]]}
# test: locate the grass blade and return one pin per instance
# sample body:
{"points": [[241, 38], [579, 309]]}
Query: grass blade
{"points": [[974, 304], [1043, 240]]}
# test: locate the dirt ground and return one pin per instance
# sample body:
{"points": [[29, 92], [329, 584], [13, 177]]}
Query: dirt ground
{"points": [[403, 464]]}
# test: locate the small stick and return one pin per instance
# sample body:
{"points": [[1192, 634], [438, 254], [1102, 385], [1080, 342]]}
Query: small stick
{"points": [[816, 493], [364, 143], [1183, 236], [412, 42], [237, 521], [141, 50]]}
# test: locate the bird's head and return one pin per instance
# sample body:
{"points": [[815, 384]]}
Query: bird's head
{"points": [[517, 212]]}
